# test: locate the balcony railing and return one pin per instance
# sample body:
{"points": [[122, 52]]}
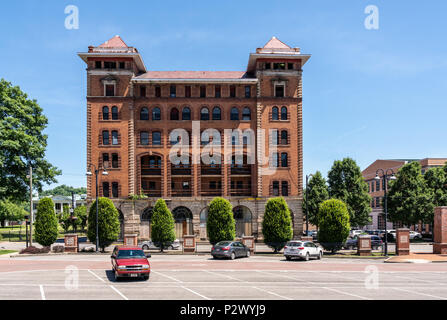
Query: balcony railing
{"points": [[211, 192], [212, 169], [181, 193], [240, 169], [152, 192], [178, 170], [151, 170], [240, 192]]}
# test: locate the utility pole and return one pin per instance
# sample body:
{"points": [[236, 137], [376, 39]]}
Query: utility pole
{"points": [[31, 205]]}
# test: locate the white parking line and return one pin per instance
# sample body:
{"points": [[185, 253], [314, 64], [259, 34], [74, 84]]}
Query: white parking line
{"points": [[420, 293], [273, 293], [224, 275], [117, 291], [98, 277], [169, 277], [346, 293], [42, 293], [284, 276], [206, 298]]}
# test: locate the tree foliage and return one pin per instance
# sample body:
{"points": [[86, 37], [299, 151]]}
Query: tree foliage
{"points": [[63, 190], [220, 224], [108, 223], [346, 183], [80, 212], [436, 181], [46, 223], [22, 143], [10, 211], [277, 223], [162, 226], [64, 218], [316, 193], [334, 224], [410, 200]]}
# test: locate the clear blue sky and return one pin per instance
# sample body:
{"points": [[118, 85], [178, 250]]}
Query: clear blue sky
{"points": [[368, 94]]}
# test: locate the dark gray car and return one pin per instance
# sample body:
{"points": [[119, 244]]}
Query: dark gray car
{"points": [[230, 249]]}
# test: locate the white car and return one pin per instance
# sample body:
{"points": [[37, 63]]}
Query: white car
{"points": [[146, 245], [303, 250], [354, 233], [415, 235]]}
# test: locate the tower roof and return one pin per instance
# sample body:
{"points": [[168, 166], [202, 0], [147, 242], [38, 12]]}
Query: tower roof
{"points": [[115, 42], [276, 43]]}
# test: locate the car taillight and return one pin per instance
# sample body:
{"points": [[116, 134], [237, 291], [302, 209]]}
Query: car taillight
{"points": [[226, 248], [301, 248], [212, 248], [285, 247]]}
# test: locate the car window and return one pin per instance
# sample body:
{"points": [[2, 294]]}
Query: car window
{"points": [[223, 243], [128, 254], [294, 244]]}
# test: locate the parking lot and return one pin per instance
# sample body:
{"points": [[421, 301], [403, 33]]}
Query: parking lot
{"points": [[197, 277]]}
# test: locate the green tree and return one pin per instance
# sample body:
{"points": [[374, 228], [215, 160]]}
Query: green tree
{"points": [[23, 143], [108, 223], [436, 180], [220, 224], [10, 211], [64, 218], [346, 183], [317, 192], [162, 226], [334, 224], [63, 190], [277, 223], [410, 200], [46, 223], [81, 214]]}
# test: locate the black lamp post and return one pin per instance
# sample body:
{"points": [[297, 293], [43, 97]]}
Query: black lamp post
{"points": [[89, 173], [307, 199], [387, 175]]}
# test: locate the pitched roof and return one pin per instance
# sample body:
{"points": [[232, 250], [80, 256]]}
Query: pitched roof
{"points": [[115, 42], [193, 75], [276, 44]]}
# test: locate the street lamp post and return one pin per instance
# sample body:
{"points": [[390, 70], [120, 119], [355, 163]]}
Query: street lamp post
{"points": [[89, 173], [307, 205], [387, 175]]}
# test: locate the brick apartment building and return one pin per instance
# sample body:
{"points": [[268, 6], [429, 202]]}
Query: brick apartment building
{"points": [[132, 114], [376, 188]]}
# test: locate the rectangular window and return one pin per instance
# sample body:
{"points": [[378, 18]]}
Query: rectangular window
{"points": [[143, 91], [279, 91], [279, 66], [173, 91], [275, 188], [268, 66], [122, 65], [202, 91], [187, 92], [285, 188], [247, 92], [109, 65], [290, 66], [105, 189], [152, 185], [217, 91], [105, 138], [58, 206], [372, 186], [115, 190], [115, 160], [232, 91], [98, 64], [105, 160], [115, 138], [110, 90], [377, 185], [157, 91]]}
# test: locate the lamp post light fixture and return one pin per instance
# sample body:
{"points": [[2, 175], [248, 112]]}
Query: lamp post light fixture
{"points": [[386, 175], [89, 173], [307, 205]]}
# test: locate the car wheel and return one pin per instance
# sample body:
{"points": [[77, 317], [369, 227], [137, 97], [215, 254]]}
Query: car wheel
{"points": [[145, 278], [320, 255], [145, 247], [232, 256], [307, 257], [117, 278], [248, 254], [214, 257], [288, 258]]}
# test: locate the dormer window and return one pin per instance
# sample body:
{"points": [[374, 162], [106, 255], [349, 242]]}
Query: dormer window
{"points": [[98, 64], [173, 91], [290, 66], [109, 65], [279, 66], [122, 65], [268, 66]]}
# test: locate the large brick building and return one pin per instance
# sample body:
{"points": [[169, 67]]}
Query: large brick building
{"points": [[132, 113]]}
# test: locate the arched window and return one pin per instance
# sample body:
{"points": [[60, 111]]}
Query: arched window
{"points": [[186, 113], [105, 138], [275, 115], [174, 114], [115, 137], [246, 114], [147, 214], [284, 113], [217, 114], [144, 114], [284, 137], [105, 113], [156, 138], [144, 138], [234, 115], [204, 114], [156, 114], [114, 113], [284, 162]]}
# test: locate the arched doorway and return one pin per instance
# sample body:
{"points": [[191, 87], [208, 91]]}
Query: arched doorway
{"points": [[145, 226], [203, 219], [243, 218], [183, 222], [121, 220]]}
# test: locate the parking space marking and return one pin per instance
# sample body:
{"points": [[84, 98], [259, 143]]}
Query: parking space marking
{"points": [[96, 276], [42, 293], [289, 277], [346, 293], [412, 278], [224, 275], [206, 298], [169, 277], [420, 293], [117, 291], [272, 293]]}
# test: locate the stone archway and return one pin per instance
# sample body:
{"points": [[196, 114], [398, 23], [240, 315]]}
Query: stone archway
{"points": [[145, 225], [183, 221], [121, 220], [203, 219], [244, 220]]}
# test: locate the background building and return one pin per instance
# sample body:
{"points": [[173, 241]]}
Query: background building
{"points": [[131, 113], [376, 188]]}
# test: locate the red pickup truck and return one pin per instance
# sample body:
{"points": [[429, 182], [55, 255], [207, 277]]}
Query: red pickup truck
{"points": [[129, 261]]}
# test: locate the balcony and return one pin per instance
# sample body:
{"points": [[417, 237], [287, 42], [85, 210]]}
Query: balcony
{"points": [[151, 170], [181, 170], [240, 192], [241, 169], [152, 192], [211, 170]]}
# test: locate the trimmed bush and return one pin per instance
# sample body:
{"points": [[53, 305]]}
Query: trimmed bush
{"points": [[277, 224], [220, 224], [58, 249], [35, 250], [46, 223], [108, 221], [334, 224], [162, 226]]}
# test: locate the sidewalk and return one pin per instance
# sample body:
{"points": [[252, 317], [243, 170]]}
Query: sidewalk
{"points": [[418, 258]]}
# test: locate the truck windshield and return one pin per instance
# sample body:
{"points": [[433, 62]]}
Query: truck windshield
{"points": [[131, 254]]}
